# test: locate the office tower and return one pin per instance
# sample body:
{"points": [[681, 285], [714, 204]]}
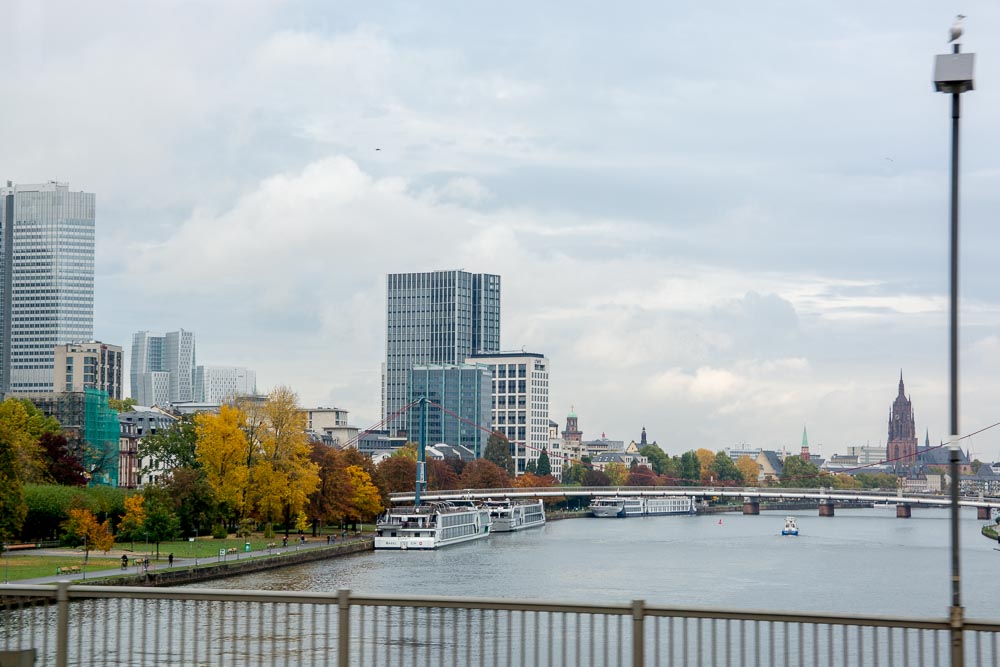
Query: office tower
{"points": [[440, 317], [520, 404], [92, 365], [461, 411], [162, 369], [218, 384], [47, 275]]}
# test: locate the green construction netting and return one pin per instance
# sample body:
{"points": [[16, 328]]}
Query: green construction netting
{"points": [[100, 432]]}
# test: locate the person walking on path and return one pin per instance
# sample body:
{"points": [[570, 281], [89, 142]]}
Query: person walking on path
{"points": [[124, 562], [170, 559]]}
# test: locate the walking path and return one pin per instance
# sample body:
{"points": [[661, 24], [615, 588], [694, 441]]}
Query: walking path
{"points": [[179, 563]]}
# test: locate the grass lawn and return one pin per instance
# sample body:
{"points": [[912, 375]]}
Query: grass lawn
{"points": [[27, 566], [207, 547]]}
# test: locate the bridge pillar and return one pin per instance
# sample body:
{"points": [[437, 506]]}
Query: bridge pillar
{"points": [[983, 513], [903, 511], [826, 508], [751, 507]]}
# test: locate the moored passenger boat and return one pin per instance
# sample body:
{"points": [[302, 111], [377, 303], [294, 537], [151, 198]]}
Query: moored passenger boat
{"points": [[431, 526], [510, 516], [670, 505], [605, 508]]}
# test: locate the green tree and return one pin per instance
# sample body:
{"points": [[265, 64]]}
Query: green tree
{"points": [[13, 507], [658, 459], [724, 470], [796, 472], [544, 468], [498, 452], [617, 473], [976, 465], [574, 473], [690, 468], [160, 523], [172, 447], [21, 426], [123, 405], [531, 468]]}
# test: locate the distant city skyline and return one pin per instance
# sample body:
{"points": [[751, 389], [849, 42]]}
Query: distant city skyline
{"points": [[718, 236]]}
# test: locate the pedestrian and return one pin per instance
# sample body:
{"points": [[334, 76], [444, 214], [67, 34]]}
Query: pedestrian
{"points": [[327, 539], [343, 534], [170, 559], [302, 538], [145, 564], [284, 541], [124, 562]]}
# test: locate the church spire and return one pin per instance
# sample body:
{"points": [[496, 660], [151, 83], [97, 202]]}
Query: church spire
{"points": [[804, 452], [901, 382]]}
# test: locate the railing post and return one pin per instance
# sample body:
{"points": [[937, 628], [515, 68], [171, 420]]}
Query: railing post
{"points": [[344, 626], [62, 624], [638, 635]]}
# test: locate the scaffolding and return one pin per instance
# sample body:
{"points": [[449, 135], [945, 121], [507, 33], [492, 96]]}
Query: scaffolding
{"points": [[101, 433]]}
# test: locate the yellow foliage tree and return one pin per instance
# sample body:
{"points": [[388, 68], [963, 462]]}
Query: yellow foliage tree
{"points": [[84, 526], [706, 458], [749, 469], [366, 500], [285, 475], [221, 450], [617, 473], [135, 514]]}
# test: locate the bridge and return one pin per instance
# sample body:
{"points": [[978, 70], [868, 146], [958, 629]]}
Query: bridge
{"points": [[751, 496]]}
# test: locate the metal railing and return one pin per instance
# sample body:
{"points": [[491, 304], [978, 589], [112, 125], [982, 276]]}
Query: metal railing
{"points": [[105, 625]]}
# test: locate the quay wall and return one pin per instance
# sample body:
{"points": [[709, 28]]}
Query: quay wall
{"points": [[214, 570]]}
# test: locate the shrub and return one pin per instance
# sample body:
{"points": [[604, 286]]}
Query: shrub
{"points": [[219, 532]]}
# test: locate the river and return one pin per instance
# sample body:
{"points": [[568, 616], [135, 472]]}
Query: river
{"points": [[862, 561]]}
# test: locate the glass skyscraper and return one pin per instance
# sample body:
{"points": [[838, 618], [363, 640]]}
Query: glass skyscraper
{"points": [[162, 369], [463, 394], [440, 317], [47, 276]]}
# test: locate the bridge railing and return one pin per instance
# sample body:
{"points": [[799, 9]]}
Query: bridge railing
{"points": [[93, 625]]}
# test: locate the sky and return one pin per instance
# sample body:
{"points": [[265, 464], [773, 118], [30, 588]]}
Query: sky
{"points": [[719, 221]]}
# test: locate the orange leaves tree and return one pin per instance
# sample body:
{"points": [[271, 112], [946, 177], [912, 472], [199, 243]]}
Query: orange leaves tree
{"points": [[83, 526], [483, 474]]}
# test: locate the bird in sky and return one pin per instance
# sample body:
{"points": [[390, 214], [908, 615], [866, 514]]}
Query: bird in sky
{"points": [[956, 28]]}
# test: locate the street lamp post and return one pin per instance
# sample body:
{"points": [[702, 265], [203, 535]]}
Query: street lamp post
{"points": [[6, 563], [953, 75]]}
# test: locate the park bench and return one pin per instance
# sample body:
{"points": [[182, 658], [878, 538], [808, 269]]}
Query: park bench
{"points": [[15, 547], [69, 569], [232, 550]]}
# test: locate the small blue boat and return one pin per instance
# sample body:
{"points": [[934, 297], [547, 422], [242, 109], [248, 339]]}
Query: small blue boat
{"points": [[790, 526]]}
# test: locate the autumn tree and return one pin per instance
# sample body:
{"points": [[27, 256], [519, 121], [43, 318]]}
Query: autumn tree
{"points": [[408, 450], [365, 500], [135, 515], [498, 452], [617, 473], [21, 426], [706, 458], [13, 507], [642, 476], [221, 451], [122, 405], [83, 527], [61, 467], [484, 474], [596, 478], [396, 474], [441, 476], [749, 470]]}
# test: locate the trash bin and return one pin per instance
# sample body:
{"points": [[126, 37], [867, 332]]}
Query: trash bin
{"points": [[246, 546]]}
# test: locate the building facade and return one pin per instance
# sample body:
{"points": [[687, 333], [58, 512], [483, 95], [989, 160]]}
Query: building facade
{"points": [[330, 426], [46, 280], [520, 403], [901, 447], [140, 423], [162, 369], [92, 365], [461, 410], [218, 384], [440, 317]]}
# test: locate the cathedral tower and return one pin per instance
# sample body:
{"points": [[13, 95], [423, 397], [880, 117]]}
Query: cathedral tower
{"points": [[901, 447]]}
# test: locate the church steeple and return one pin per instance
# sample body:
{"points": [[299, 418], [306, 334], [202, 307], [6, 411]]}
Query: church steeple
{"points": [[901, 382], [804, 452], [642, 441]]}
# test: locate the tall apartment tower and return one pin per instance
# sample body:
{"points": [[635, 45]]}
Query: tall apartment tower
{"points": [[46, 280], [520, 402], [440, 317], [92, 365], [162, 370]]}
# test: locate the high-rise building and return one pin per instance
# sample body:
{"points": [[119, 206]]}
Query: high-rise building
{"points": [[901, 447], [162, 368], [460, 414], [93, 365], [520, 401], [440, 317], [218, 384], [47, 278]]}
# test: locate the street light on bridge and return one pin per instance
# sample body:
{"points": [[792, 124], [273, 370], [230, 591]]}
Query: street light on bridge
{"points": [[953, 75]]}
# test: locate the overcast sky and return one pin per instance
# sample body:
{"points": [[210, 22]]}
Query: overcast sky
{"points": [[718, 222]]}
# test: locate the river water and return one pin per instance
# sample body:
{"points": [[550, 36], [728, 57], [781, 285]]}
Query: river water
{"points": [[862, 561]]}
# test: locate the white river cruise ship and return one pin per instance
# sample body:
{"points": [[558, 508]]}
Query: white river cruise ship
{"points": [[431, 526], [631, 506], [511, 516]]}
